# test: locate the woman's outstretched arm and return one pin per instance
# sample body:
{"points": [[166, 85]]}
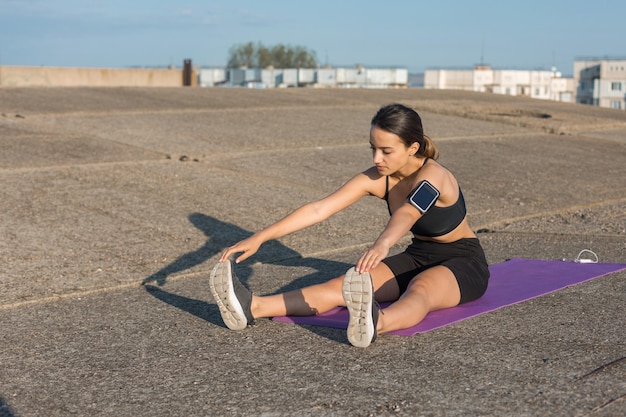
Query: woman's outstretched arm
{"points": [[305, 216]]}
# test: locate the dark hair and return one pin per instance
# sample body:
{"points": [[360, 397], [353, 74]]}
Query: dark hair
{"points": [[407, 124]]}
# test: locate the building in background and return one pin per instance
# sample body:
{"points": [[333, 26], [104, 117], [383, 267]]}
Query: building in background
{"points": [[545, 85], [597, 81], [601, 82], [327, 77]]}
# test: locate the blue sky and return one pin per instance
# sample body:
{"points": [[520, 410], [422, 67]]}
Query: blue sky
{"points": [[413, 34]]}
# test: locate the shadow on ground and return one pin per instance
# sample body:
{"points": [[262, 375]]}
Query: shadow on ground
{"points": [[5, 409], [221, 235]]}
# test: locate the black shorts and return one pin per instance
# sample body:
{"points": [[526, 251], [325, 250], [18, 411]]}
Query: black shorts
{"points": [[465, 258]]}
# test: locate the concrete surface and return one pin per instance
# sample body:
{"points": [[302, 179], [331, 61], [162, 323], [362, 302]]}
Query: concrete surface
{"points": [[108, 189]]}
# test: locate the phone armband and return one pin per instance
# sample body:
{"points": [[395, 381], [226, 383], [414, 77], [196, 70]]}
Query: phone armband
{"points": [[424, 196]]}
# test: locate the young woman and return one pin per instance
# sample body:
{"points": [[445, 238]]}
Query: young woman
{"points": [[442, 267]]}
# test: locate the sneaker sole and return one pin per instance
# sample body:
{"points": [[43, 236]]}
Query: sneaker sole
{"points": [[221, 284], [358, 295]]}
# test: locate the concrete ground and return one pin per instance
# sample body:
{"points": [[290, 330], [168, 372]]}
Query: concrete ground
{"points": [[117, 202]]}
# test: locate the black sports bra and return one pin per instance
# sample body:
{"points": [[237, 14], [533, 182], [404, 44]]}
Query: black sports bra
{"points": [[437, 221]]}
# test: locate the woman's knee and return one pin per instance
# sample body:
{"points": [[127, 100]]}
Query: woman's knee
{"points": [[333, 284], [330, 289], [437, 286]]}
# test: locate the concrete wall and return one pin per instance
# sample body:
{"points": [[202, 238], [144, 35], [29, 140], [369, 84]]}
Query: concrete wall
{"points": [[90, 77]]}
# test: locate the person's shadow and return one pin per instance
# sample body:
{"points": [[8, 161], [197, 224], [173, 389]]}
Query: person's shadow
{"points": [[5, 409], [221, 235]]}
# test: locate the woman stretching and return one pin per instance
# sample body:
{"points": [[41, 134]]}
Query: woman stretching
{"points": [[443, 266]]}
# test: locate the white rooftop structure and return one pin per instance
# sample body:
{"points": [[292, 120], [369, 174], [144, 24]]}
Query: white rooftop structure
{"points": [[358, 77], [546, 85]]}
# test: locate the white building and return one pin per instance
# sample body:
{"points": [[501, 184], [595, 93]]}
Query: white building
{"points": [[326, 77], [601, 82], [358, 77], [454, 80], [546, 85], [211, 77]]}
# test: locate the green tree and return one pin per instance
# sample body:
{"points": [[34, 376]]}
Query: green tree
{"points": [[302, 58], [278, 56], [263, 56], [242, 56]]}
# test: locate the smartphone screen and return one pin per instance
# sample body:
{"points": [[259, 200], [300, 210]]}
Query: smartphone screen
{"points": [[424, 196]]}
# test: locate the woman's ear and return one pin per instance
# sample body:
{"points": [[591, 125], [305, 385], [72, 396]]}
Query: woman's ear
{"points": [[414, 148]]}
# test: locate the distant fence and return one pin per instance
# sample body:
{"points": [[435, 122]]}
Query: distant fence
{"points": [[14, 76]]}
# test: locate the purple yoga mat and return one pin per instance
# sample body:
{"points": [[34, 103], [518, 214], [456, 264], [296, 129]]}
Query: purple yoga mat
{"points": [[511, 282]]}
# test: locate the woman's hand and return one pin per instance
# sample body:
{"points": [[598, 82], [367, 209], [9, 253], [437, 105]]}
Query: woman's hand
{"points": [[399, 224], [372, 257], [248, 246]]}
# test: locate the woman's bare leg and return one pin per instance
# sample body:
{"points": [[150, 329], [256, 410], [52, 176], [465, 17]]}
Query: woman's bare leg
{"points": [[433, 289], [307, 301], [320, 298]]}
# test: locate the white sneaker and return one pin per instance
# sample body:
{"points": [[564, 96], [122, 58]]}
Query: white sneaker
{"points": [[233, 299], [358, 293]]}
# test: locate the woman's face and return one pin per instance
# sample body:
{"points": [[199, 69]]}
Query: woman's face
{"points": [[389, 153]]}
